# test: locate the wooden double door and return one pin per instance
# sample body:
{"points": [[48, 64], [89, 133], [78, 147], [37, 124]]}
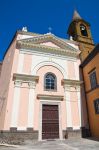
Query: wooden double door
{"points": [[50, 122]]}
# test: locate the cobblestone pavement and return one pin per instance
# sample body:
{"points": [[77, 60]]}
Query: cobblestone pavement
{"points": [[70, 144]]}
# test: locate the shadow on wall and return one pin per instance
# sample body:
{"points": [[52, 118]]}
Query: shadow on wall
{"points": [[0, 67], [85, 128]]}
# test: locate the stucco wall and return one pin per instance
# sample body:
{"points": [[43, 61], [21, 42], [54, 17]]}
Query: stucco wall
{"points": [[4, 82], [19, 61], [0, 67], [92, 95]]}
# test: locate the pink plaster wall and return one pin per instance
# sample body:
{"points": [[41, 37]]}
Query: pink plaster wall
{"points": [[4, 85], [27, 64], [74, 107], [11, 91], [50, 44], [23, 108], [71, 70], [64, 115], [36, 114]]}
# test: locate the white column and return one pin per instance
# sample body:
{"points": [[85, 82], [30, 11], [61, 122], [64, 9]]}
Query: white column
{"points": [[15, 106], [31, 104], [68, 106], [79, 102]]}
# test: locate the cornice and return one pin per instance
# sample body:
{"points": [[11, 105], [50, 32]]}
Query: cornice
{"points": [[50, 97], [70, 41], [24, 77], [28, 33], [41, 48], [72, 82], [46, 37]]}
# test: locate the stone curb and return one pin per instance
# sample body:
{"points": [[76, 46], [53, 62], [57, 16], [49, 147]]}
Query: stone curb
{"points": [[8, 145]]}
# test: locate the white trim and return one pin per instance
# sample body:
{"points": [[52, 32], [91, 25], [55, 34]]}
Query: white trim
{"points": [[15, 107], [61, 43], [58, 56], [67, 50], [31, 106], [79, 103], [20, 63], [40, 118], [48, 63]]}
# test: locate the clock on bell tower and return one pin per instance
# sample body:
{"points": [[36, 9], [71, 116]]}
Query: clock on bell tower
{"points": [[79, 30]]}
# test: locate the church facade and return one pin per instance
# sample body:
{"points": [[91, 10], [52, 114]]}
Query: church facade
{"points": [[40, 87]]}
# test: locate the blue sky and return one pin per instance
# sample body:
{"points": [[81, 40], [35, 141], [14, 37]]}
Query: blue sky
{"points": [[39, 15]]}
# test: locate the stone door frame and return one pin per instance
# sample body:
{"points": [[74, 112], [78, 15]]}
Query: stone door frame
{"points": [[42, 102]]}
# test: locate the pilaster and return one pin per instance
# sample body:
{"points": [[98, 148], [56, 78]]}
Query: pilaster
{"points": [[32, 86], [68, 106], [16, 101]]}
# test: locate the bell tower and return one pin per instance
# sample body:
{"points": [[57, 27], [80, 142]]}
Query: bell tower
{"points": [[79, 30]]}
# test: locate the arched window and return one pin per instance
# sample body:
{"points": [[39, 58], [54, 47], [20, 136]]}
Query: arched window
{"points": [[83, 30], [50, 81]]}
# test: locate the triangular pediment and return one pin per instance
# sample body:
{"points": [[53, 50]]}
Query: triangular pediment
{"points": [[51, 44], [48, 40]]}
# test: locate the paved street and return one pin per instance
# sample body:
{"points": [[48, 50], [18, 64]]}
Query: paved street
{"points": [[71, 144]]}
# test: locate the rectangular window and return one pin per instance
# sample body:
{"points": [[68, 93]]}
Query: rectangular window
{"points": [[96, 105], [93, 80]]}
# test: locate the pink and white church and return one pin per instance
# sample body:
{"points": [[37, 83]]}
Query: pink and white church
{"points": [[40, 87]]}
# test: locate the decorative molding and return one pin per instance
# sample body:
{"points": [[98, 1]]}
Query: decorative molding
{"points": [[50, 97], [41, 48], [41, 53], [49, 37], [32, 85], [66, 87], [24, 77], [48, 63], [71, 82], [17, 83], [78, 88]]}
